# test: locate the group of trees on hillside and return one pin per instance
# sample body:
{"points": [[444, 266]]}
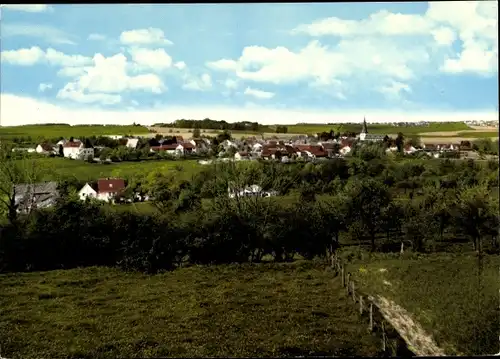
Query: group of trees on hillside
{"points": [[368, 198], [216, 125]]}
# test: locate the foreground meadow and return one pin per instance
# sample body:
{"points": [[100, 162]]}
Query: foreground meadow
{"points": [[454, 300], [42, 132], [229, 310]]}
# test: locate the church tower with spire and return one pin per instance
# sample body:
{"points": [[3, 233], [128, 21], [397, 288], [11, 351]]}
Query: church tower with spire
{"points": [[364, 136], [364, 130]]}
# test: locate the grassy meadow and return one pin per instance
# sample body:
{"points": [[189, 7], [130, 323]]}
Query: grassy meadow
{"points": [[57, 168], [379, 128], [228, 310], [444, 292], [41, 132]]}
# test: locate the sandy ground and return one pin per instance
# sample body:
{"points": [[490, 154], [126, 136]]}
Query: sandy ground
{"points": [[484, 129], [445, 140], [422, 343]]}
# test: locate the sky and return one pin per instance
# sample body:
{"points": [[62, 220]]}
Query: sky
{"points": [[270, 63]]}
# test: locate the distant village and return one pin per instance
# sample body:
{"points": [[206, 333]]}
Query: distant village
{"points": [[296, 148]]}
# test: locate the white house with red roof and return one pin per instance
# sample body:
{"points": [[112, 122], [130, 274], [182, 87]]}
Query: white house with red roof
{"points": [[105, 190]]}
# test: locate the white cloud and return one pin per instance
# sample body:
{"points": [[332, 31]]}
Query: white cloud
{"points": [[34, 55], [393, 89], [96, 37], [223, 65], [28, 7], [380, 23], [17, 110], [194, 83], [231, 84], [181, 65], [48, 33], [42, 87], [320, 64], [77, 95], [73, 71], [475, 23], [149, 36], [23, 57], [108, 76], [444, 36], [157, 60], [263, 95]]}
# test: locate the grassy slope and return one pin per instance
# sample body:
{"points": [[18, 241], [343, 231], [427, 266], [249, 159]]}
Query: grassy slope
{"points": [[57, 168], [442, 291], [379, 129], [52, 131], [260, 310]]}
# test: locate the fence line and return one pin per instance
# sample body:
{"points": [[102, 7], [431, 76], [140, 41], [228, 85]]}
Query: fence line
{"points": [[393, 342]]}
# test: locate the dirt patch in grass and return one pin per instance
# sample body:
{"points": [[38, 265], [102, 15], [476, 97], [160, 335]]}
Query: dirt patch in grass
{"points": [[445, 140], [250, 310]]}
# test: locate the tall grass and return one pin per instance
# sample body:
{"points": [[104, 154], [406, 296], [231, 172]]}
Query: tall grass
{"points": [[447, 293], [239, 311]]}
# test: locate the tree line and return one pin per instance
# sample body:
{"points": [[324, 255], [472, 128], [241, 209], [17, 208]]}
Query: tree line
{"points": [[216, 125], [369, 199]]}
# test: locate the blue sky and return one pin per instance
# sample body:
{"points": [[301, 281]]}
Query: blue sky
{"points": [[276, 63]]}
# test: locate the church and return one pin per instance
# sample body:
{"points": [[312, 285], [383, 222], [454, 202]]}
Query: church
{"points": [[365, 136]]}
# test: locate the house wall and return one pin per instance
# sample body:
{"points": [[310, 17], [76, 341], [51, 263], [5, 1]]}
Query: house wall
{"points": [[106, 196], [87, 192]]}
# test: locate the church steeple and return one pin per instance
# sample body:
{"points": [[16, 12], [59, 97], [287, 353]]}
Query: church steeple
{"points": [[364, 129]]}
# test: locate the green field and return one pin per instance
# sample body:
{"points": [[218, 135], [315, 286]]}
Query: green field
{"points": [[238, 311], [468, 134], [40, 132], [450, 300], [56, 168], [379, 128]]}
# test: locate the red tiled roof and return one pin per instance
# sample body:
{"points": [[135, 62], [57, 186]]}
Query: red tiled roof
{"points": [[74, 144], [110, 185], [47, 146], [170, 147], [187, 145], [243, 153]]}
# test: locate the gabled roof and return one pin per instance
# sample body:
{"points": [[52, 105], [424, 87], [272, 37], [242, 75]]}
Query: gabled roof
{"points": [[47, 146], [110, 185], [170, 147], [187, 145], [74, 144], [36, 188]]}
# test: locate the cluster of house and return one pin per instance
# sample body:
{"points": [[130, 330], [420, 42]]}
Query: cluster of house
{"points": [[43, 195], [250, 191], [306, 147]]}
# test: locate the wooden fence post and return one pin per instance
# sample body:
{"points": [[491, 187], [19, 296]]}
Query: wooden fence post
{"points": [[361, 305], [371, 317], [343, 276], [383, 337]]}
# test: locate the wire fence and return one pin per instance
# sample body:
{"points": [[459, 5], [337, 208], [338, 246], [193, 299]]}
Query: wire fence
{"points": [[393, 343]]}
